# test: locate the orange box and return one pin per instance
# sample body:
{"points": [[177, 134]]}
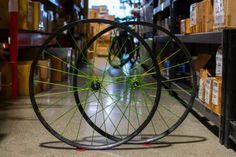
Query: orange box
{"points": [[208, 92], [217, 95], [23, 73]]}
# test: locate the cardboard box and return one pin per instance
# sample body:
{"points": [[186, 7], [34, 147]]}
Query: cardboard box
{"points": [[57, 75], [195, 18], [208, 92], [224, 14], [45, 73], [201, 60], [93, 13], [182, 26], [102, 49], [185, 26], [207, 16], [4, 16], [23, 73], [36, 9], [111, 17], [25, 18], [217, 95], [201, 91], [30, 15]]}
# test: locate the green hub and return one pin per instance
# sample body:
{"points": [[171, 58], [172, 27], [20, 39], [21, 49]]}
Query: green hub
{"points": [[96, 85], [136, 84]]}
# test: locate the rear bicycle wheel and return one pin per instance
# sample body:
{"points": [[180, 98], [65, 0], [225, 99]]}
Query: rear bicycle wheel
{"points": [[119, 53], [177, 75], [87, 95]]}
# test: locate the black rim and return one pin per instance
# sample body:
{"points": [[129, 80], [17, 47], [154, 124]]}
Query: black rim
{"points": [[55, 133], [193, 91]]}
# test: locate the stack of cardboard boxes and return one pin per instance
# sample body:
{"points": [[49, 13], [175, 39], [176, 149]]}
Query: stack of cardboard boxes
{"points": [[32, 15], [210, 88], [210, 15], [100, 47]]}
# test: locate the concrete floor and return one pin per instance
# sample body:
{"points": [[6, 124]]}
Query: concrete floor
{"points": [[21, 133]]}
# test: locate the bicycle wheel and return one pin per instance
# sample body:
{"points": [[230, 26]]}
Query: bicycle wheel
{"points": [[119, 53], [177, 70], [86, 85]]}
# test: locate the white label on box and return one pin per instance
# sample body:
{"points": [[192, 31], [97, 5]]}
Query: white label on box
{"points": [[201, 89], [215, 93], [219, 62], [208, 91], [193, 15], [219, 12]]}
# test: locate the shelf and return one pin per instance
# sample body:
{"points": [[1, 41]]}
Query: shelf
{"points": [[147, 4], [162, 7], [198, 105], [32, 38], [56, 3], [199, 38]]}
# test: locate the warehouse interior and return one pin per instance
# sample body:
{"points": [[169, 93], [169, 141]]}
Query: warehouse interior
{"points": [[117, 78]]}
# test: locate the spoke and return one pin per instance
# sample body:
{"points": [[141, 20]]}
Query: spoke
{"points": [[82, 115], [66, 112], [123, 115], [95, 119], [108, 116], [159, 104], [60, 85], [139, 65], [162, 50], [129, 120], [72, 116], [145, 102], [54, 103], [119, 51], [76, 44], [163, 119], [175, 66], [60, 100], [148, 84], [136, 110], [59, 93], [69, 110], [169, 56], [65, 62], [65, 72], [169, 110], [103, 115], [104, 109], [175, 79]]}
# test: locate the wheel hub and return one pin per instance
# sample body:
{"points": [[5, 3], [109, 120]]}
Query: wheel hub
{"points": [[136, 84], [95, 85]]}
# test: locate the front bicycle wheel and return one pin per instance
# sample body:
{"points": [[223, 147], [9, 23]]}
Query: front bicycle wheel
{"points": [[89, 93]]}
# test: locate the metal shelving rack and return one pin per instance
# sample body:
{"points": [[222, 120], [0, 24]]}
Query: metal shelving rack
{"points": [[227, 38], [25, 38]]}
